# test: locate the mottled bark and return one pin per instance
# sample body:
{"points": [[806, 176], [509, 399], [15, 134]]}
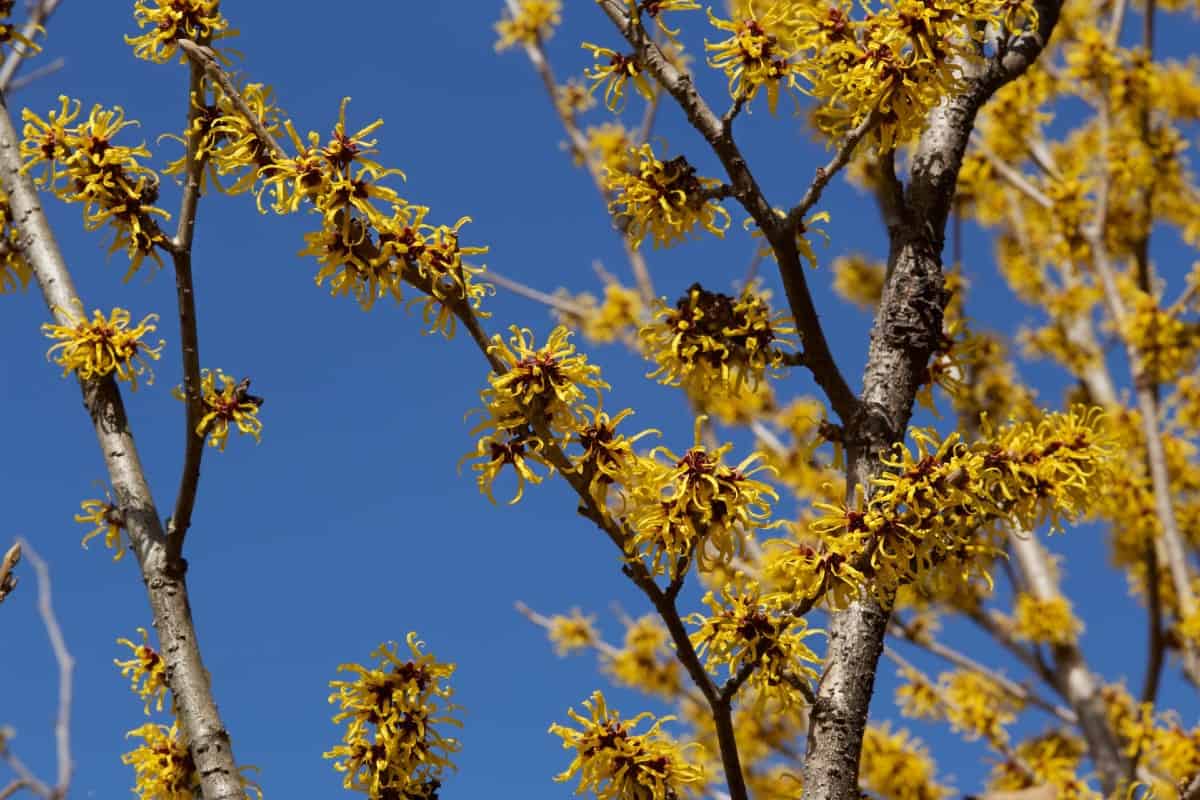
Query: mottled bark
{"points": [[907, 325], [163, 575]]}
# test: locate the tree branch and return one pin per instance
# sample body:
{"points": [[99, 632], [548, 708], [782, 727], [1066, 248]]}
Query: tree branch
{"points": [[8, 579], [189, 340], [745, 189], [66, 664], [163, 576]]}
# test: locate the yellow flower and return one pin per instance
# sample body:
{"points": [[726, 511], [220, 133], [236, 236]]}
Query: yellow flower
{"points": [[614, 74], [225, 406], [109, 521], [10, 33], [163, 766], [744, 629], [751, 57], [898, 767], [393, 745], [694, 506], [615, 763], [712, 343], [104, 346], [858, 280], [646, 660], [1045, 621], [146, 671], [503, 448], [570, 633], [172, 20], [664, 199], [531, 24]]}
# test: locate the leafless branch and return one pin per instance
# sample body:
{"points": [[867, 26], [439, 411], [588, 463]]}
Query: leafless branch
{"points": [[34, 75], [189, 339], [66, 665]]}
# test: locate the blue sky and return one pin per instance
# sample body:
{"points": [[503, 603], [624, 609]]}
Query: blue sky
{"points": [[349, 525]]}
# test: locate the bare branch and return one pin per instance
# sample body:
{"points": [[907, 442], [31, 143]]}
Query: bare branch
{"points": [[12, 788], [189, 339], [66, 665], [21, 81], [825, 174]]}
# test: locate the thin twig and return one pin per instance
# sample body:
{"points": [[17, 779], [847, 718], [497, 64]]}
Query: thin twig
{"points": [[562, 304], [38, 15], [12, 788], [189, 339], [44, 71], [825, 174], [579, 147], [963, 661], [1014, 177], [66, 664]]}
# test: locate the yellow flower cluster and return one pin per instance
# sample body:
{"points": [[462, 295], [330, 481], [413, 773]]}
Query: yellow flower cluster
{"points": [[146, 671], [752, 57], [898, 767], [859, 280], [1170, 751], [972, 703], [392, 746], [611, 145], [171, 20], [108, 520], [1045, 621], [615, 763], [570, 633], [82, 164], [1053, 759], [664, 199], [162, 764], [104, 346], [14, 269], [747, 629], [693, 506], [712, 344], [935, 513], [615, 318], [531, 24], [646, 660], [1167, 345], [538, 386], [225, 406], [227, 142]]}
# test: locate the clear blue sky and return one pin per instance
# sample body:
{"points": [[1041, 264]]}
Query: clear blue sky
{"points": [[349, 525]]}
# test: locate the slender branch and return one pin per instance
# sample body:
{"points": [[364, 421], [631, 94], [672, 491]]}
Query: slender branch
{"points": [[1015, 178], [12, 788], [205, 58], [21, 81], [963, 661], [38, 15], [25, 778], [66, 664], [579, 147], [818, 357], [189, 339], [825, 174], [163, 576], [562, 304]]}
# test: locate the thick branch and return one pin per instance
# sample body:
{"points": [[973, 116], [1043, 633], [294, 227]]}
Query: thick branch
{"points": [[908, 323], [163, 576]]}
